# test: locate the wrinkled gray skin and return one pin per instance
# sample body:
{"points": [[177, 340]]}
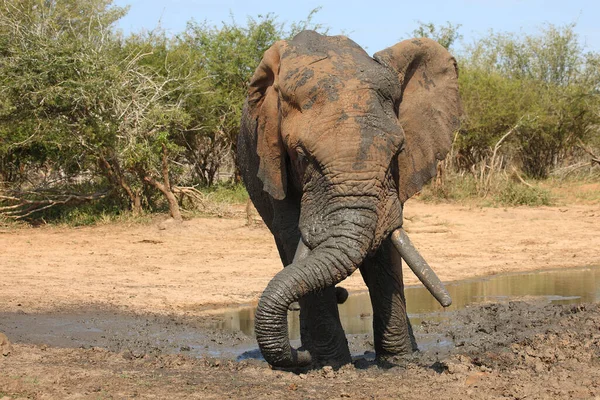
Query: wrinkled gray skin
{"points": [[320, 154]]}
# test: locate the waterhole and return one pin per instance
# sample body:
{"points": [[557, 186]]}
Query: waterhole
{"points": [[229, 333], [570, 286]]}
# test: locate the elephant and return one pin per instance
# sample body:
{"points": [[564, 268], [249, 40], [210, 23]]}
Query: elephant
{"points": [[332, 143]]}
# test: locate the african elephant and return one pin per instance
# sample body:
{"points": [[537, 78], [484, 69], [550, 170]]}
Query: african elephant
{"points": [[332, 143]]}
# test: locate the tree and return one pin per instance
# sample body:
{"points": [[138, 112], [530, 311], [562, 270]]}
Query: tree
{"points": [[446, 35], [76, 104], [227, 55], [56, 92], [543, 87], [86, 113]]}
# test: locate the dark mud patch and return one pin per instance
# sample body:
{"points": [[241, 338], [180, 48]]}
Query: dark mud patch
{"points": [[138, 335], [513, 350], [135, 334], [228, 334]]}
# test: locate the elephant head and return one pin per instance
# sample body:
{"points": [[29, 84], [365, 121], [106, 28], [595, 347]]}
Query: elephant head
{"points": [[356, 136]]}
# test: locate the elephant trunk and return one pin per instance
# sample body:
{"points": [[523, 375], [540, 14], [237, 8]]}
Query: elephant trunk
{"points": [[329, 263]]}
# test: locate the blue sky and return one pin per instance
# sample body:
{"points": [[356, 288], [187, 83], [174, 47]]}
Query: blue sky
{"points": [[376, 25]]}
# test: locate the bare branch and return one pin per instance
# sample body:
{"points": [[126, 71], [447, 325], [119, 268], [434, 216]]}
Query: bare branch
{"points": [[595, 158], [30, 202]]}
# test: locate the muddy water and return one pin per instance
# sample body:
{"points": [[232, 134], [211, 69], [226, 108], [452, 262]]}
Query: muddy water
{"points": [[580, 285], [229, 334]]}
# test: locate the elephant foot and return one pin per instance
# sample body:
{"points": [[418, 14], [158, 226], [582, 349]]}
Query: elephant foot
{"points": [[396, 360]]}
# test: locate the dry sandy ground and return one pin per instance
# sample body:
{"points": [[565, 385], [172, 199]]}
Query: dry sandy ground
{"points": [[212, 261], [175, 274]]}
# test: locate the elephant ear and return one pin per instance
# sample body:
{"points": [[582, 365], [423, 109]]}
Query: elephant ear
{"points": [[429, 110], [263, 109]]}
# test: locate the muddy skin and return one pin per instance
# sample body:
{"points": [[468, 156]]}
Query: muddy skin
{"points": [[321, 152], [507, 351]]}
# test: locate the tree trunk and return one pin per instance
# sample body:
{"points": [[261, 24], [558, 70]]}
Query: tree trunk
{"points": [[136, 203], [165, 187], [174, 210], [116, 177]]}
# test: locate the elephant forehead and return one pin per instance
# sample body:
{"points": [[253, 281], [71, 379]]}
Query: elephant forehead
{"points": [[328, 70], [323, 84], [343, 118]]}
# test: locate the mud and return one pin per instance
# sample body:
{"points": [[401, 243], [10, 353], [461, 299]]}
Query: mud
{"points": [[135, 334], [122, 311], [228, 333], [511, 350]]}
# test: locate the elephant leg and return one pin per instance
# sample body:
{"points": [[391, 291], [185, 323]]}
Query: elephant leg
{"points": [[392, 331], [321, 331]]}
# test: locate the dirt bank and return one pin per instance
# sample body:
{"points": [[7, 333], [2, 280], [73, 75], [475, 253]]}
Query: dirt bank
{"points": [[211, 261], [150, 288]]}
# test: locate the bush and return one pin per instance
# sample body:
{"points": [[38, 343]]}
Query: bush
{"points": [[541, 88], [228, 193], [498, 191], [456, 187], [518, 194]]}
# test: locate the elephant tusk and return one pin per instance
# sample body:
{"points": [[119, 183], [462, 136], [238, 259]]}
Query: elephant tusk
{"points": [[302, 251], [419, 266]]}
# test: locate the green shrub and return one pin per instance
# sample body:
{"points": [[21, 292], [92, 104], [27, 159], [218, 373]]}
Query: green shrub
{"points": [[518, 194], [100, 211], [456, 187], [228, 193], [498, 191]]}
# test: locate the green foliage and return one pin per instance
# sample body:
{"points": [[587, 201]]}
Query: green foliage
{"points": [[55, 59], [517, 194], [227, 193], [108, 209], [132, 115], [227, 55], [85, 109], [446, 35], [456, 188], [542, 90], [501, 192]]}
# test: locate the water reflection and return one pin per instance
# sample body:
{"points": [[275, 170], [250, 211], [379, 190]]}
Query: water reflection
{"points": [[581, 285]]}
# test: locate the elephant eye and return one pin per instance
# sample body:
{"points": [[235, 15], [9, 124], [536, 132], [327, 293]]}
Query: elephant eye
{"points": [[301, 153], [302, 158]]}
